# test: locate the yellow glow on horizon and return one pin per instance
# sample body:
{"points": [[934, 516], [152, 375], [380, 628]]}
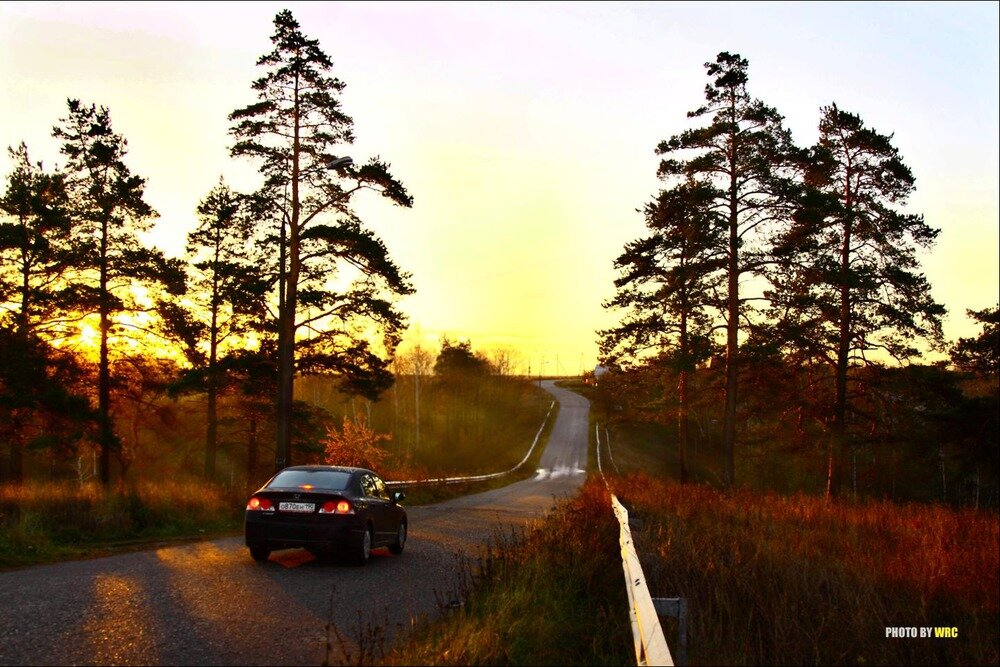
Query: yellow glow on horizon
{"points": [[526, 134]]}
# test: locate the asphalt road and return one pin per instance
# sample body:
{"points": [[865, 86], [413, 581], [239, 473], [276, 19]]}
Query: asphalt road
{"points": [[208, 603]]}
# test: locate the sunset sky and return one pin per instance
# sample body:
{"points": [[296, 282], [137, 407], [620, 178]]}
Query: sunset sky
{"points": [[526, 132]]}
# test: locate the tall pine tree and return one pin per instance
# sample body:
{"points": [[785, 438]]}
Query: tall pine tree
{"points": [[37, 382], [227, 292], [666, 293], [109, 211], [36, 247], [850, 266], [744, 156], [295, 131]]}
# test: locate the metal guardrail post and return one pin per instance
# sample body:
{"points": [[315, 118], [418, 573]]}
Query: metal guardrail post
{"points": [[677, 608]]}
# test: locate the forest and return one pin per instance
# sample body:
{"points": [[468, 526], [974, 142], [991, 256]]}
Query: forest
{"points": [[776, 316]]}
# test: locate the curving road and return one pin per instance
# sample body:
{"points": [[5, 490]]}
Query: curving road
{"points": [[208, 603]]}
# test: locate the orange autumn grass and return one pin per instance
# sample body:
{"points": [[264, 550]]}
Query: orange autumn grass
{"points": [[50, 521], [796, 578]]}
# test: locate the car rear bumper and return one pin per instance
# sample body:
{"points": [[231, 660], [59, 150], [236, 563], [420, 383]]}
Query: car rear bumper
{"points": [[282, 531]]}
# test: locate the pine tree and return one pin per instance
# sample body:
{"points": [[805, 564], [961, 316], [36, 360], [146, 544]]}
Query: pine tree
{"points": [[109, 211], [36, 303], [295, 130], [227, 291], [982, 353], [35, 246], [744, 155], [849, 282], [667, 292]]}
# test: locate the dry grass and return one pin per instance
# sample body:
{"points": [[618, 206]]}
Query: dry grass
{"points": [[553, 597], [48, 521], [795, 579]]}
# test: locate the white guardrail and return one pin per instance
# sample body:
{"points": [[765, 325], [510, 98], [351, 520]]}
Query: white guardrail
{"points": [[479, 478], [650, 644]]}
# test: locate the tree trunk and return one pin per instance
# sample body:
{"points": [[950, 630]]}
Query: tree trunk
{"points": [[211, 429], [843, 349], [416, 407], [682, 396], [212, 417], [683, 427], [251, 453], [286, 312], [106, 437], [733, 323]]}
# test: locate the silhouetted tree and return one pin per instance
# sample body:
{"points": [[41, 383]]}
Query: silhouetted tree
{"points": [[42, 401], [35, 247], [109, 210], [228, 294], [851, 282], [35, 256], [457, 364], [668, 291], [460, 374], [982, 353], [294, 131], [742, 156]]}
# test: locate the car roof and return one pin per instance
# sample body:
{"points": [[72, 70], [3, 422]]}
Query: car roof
{"points": [[326, 467]]}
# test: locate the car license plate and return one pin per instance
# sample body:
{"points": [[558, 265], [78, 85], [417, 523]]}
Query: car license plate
{"points": [[296, 507]]}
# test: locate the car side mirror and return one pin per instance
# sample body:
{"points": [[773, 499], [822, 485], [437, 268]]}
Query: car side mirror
{"points": [[398, 496]]}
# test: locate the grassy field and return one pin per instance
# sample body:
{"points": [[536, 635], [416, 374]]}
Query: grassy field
{"points": [[46, 522], [425, 493], [554, 596], [779, 579], [784, 577]]}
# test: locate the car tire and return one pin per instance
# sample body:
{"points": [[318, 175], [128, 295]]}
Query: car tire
{"points": [[397, 546], [260, 554], [363, 550]]}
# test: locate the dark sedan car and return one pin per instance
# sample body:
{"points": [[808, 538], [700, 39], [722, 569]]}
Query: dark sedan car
{"points": [[325, 509]]}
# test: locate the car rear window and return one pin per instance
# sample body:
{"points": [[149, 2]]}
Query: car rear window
{"points": [[333, 480]]}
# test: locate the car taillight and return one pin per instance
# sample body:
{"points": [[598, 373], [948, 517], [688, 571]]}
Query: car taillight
{"points": [[341, 507], [260, 505]]}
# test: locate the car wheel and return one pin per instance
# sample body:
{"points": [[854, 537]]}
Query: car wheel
{"points": [[397, 546], [364, 549], [260, 554]]}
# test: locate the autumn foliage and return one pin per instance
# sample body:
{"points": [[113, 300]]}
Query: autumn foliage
{"points": [[354, 444]]}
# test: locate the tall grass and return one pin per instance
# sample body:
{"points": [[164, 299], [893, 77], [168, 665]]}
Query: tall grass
{"points": [[45, 521], [554, 597], [795, 579]]}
